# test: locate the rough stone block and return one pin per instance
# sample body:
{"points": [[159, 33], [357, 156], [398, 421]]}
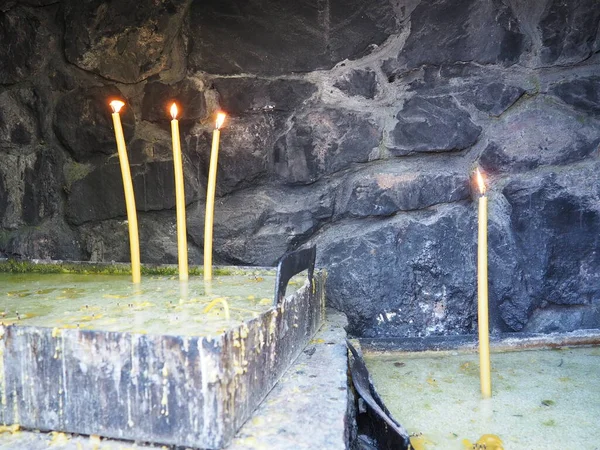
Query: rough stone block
{"points": [[273, 37], [538, 133], [22, 37], [581, 93], [41, 187], [250, 95], [83, 121], [20, 127], [322, 142], [420, 266], [32, 186], [244, 152], [51, 239], [189, 391], [248, 223], [384, 189], [434, 124], [188, 95], [493, 98], [568, 30], [361, 83], [108, 240], [106, 37], [554, 216], [153, 184], [449, 31]]}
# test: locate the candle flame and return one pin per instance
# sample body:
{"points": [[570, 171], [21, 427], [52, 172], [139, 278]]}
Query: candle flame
{"points": [[174, 111], [220, 120], [116, 105], [480, 181]]}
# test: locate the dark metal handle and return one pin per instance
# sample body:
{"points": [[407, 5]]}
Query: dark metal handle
{"points": [[292, 264]]}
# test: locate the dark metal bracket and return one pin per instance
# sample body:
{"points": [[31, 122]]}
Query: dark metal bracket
{"points": [[389, 434], [291, 264]]}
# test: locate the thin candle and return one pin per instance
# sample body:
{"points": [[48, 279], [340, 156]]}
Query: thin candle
{"points": [[134, 240], [482, 292], [210, 197], [179, 197]]}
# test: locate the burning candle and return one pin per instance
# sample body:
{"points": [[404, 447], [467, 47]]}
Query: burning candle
{"points": [[179, 197], [482, 293], [210, 197], [134, 241]]}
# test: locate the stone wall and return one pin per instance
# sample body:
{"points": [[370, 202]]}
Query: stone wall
{"points": [[355, 124]]}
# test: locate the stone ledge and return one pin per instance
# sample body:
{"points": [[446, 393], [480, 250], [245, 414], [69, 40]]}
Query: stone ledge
{"points": [[498, 342], [306, 409]]}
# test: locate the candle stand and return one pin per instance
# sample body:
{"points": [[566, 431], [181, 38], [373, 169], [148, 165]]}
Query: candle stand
{"points": [[184, 390]]}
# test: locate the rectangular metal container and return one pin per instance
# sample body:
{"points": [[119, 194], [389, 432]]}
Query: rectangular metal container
{"points": [[168, 389]]}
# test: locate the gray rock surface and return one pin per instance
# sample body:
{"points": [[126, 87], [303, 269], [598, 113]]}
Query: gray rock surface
{"points": [[153, 184], [20, 128], [553, 319], [359, 83], [3, 198], [83, 122], [42, 187], [355, 124], [22, 36], [12, 169], [554, 215], [539, 133], [158, 98], [31, 189], [420, 264], [275, 37], [108, 240], [482, 31], [84, 205], [435, 124], [568, 30], [39, 2], [510, 304], [247, 224], [8, 4], [151, 149], [582, 93], [245, 152], [385, 189], [494, 98], [50, 238], [323, 142], [247, 95], [126, 42]]}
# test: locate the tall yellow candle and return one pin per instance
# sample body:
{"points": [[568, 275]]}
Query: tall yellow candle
{"points": [[482, 293], [179, 197], [210, 197], [134, 241]]}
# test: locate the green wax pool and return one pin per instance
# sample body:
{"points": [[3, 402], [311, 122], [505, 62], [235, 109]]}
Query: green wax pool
{"points": [[541, 399], [159, 305]]}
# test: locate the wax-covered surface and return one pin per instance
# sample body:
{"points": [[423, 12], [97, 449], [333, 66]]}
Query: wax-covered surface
{"points": [[278, 423], [168, 386], [540, 398], [160, 305]]}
